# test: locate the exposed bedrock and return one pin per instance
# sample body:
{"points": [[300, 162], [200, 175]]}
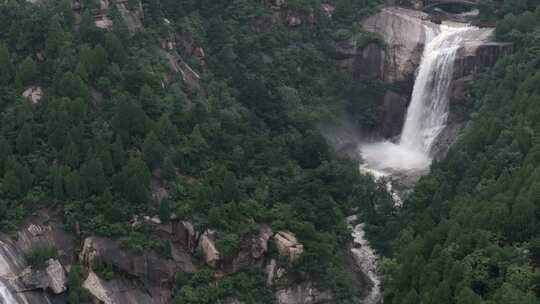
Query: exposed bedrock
{"points": [[404, 32]]}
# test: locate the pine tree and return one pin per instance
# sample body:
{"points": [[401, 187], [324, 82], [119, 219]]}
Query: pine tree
{"points": [[26, 178], [58, 185], [27, 71], [41, 170], [5, 151], [106, 161], [93, 176], [149, 102], [136, 181], [11, 185], [118, 153], [153, 150], [56, 38], [166, 131], [99, 61], [24, 139], [73, 185], [72, 156], [74, 285], [6, 67], [164, 211], [87, 28], [168, 170]]}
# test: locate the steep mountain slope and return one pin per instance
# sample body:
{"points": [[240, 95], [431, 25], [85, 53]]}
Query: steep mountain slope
{"points": [[175, 143], [469, 232]]}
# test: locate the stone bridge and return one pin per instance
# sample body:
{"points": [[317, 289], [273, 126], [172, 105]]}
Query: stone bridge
{"points": [[429, 4]]}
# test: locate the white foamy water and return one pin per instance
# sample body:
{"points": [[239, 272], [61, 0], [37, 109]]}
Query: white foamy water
{"points": [[427, 113], [367, 260], [426, 118], [6, 297]]}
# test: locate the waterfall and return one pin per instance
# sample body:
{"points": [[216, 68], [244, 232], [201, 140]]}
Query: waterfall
{"points": [[426, 117], [428, 110]]}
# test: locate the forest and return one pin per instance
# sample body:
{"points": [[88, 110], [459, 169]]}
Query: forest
{"points": [[237, 149], [469, 233], [238, 146]]}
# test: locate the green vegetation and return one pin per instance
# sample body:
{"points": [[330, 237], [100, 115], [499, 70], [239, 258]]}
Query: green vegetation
{"points": [[76, 293], [470, 231], [39, 256], [237, 149], [247, 286]]}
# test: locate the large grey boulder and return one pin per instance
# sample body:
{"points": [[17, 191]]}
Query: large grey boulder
{"points": [[302, 294], [117, 291], [149, 268], [53, 277], [288, 246], [212, 256]]}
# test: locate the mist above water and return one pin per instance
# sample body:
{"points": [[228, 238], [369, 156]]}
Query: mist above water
{"points": [[428, 111]]}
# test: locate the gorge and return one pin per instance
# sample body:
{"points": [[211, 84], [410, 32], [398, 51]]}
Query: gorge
{"points": [[403, 159], [180, 151]]}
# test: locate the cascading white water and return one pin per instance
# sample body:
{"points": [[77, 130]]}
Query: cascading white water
{"points": [[428, 111], [426, 118]]}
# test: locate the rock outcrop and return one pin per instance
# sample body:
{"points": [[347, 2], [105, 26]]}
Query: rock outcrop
{"points": [[117, 291], [404, 32], [288, 246], [53, 277], [212, 256], [19, 282], [147, 266], [45, 229], [302, 294], [33, 93]]}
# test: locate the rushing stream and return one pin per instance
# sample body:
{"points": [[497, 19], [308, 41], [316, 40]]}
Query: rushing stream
{"points": [[426, 117]]}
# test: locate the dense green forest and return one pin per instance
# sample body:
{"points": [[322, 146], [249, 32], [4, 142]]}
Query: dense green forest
{"points": [[235, 150], [469, 233]]}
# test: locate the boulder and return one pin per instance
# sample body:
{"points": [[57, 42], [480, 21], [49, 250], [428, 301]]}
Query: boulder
{"points": [[57, 276], [288, 246], [132, 16], [273, 273], [212, 256], [302, 294], [117, 291], [53, 277], [186, 235], [151, 269], [259, 245], [33, 93]]}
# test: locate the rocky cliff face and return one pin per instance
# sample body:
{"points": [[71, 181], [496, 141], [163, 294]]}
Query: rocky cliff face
{"points": [[146, 277], [404, 32]]}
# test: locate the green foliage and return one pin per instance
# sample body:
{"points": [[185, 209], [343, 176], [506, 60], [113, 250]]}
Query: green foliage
{"points": [[238, 148], [103, 270], [462, 234], [165, 211], [28, 71], [76, 293], [39, 256], [248, 286]]}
